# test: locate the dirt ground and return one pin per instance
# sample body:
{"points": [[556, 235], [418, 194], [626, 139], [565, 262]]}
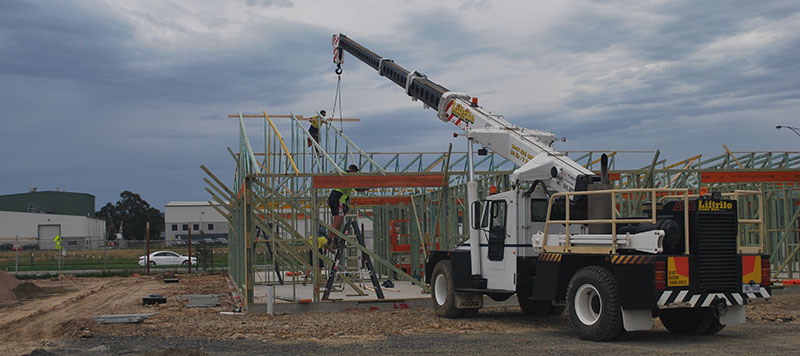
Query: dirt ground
{"points": [[55, 318]]}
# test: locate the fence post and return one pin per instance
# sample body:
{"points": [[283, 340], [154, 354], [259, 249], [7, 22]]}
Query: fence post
{"points": [[147, 247], [189, 245]]}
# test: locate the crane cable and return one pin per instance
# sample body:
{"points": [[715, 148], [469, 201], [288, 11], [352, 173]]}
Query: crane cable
{"points": [[337, 102], [337, 99]]}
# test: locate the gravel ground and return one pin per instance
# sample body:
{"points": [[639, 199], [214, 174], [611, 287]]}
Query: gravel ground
{"points": [[178, 330]]}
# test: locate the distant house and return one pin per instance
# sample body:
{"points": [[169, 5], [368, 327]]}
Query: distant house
{"points": [[198, 216], [34, 219]]}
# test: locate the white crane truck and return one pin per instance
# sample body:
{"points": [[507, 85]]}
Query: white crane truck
{"points": [[557, 239]]}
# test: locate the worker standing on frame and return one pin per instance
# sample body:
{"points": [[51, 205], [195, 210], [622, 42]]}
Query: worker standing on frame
{"points": [[316, 122]]}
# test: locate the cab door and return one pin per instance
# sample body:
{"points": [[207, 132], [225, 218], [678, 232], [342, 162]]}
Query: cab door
{"points": [[497, 212]]}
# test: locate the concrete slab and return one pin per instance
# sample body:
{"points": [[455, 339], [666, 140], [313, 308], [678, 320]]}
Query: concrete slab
{"points": [[293, 297], [295, 293], [122, 318]]}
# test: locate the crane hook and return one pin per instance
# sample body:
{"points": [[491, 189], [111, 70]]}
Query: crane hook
{"points": [[339, 69]]}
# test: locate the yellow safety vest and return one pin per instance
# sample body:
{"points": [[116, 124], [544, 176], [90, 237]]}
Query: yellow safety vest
{"points": [[321, 241], [345, 194], [316, 121]]}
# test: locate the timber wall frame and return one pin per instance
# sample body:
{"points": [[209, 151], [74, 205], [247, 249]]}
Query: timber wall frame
{"points": [[417, 200]]}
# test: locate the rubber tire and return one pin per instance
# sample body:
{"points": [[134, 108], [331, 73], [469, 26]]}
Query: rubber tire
{"points": [[469, 313], [608, 325], [499, 297], [691, 321], [714, 328], [152, 263], [185, 263], [448, 308], [538, 307]]}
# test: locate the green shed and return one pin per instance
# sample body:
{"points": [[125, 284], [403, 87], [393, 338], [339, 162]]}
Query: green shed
{"points": [[51, 202]]}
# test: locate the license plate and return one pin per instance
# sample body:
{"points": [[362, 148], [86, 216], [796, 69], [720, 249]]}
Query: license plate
{"points": [[751, 288], [466, 300]]}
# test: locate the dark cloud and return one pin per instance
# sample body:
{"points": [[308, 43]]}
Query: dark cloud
{"points": [[684, 83], [88, 105], [270, 3]]}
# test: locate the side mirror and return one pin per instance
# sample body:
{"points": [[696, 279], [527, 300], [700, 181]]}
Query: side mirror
{"points": [[477, 210]]}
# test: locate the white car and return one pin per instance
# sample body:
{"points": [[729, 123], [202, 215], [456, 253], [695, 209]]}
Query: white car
{"points": [[166, 258]]}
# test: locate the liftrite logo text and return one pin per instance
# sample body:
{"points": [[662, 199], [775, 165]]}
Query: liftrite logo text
{"points": [[708, 205]]}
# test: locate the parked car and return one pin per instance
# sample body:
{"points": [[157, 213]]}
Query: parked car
{"points": [[209, 241], [166, 258], [221, 240], [30, 247], [6, 247], [179, 243]]}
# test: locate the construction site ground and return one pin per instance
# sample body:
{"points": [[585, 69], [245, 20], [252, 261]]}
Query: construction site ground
{"points": [[55, 317]]}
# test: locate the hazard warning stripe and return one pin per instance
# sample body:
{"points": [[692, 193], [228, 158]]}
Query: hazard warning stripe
{"points": [[631, 260], [703, 300], [550, 257]]}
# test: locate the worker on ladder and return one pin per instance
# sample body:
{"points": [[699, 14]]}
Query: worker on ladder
{"points": [[339, 202]]}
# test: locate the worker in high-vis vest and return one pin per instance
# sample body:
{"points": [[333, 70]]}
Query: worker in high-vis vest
{"points": [[322, 243], [316, 121], [339, 202]]}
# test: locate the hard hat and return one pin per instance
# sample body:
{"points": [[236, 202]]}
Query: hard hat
{"points": [[322, 112]]}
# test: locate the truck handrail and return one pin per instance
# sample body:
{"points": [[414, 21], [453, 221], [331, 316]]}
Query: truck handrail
{"points": [[613, 220]]}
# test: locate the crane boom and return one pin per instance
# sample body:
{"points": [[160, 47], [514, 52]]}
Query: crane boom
{"points": [[531, 150]]}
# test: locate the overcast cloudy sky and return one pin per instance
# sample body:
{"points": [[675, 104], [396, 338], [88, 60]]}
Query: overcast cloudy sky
{"points": [[105, 96]]}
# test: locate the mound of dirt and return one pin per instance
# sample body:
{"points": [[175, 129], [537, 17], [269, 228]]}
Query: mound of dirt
{"points": [[27, 290], [7, 285]]}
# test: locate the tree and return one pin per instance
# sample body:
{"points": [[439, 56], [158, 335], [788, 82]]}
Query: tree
{"points": [[134, 213]]}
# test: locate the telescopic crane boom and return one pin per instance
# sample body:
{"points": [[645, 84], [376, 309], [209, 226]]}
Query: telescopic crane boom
{"points": [[531, 150]]}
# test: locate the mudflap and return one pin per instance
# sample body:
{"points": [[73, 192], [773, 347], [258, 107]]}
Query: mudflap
{"points": [[637, 319], [468, 300], [732, 315]]}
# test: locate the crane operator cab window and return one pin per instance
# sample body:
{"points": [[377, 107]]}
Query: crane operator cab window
{"points": [[538, 210]]}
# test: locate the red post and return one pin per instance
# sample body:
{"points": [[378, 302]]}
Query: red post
{"points": [[189, 245], [147, 244]]}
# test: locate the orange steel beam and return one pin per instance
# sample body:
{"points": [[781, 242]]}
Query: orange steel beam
{"points": [[611, 176], [380, 200], [378, 181], [755, 176], [299, 117]]}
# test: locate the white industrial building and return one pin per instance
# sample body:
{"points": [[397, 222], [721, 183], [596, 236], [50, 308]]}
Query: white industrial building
{"points": [[37, 230], [199, 216]]}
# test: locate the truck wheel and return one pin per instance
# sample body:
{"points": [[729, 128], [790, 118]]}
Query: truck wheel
{"points": [[468, 313], [442, 291], [499, 297], [593, 303], [691, 321], [714, 328], [538, 307]]}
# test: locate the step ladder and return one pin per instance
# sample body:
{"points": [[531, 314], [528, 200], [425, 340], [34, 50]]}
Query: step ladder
{"points": [[339, 261]]}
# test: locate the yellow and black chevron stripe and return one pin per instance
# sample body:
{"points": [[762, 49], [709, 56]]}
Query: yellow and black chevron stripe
{"points": [[550, 257], [630, 260]]}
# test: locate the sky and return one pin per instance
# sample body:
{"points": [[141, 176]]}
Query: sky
{"points": [[102, 96]]}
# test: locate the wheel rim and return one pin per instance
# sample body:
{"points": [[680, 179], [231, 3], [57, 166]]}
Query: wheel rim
{"points": [[440, 289], [588, 304]]}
